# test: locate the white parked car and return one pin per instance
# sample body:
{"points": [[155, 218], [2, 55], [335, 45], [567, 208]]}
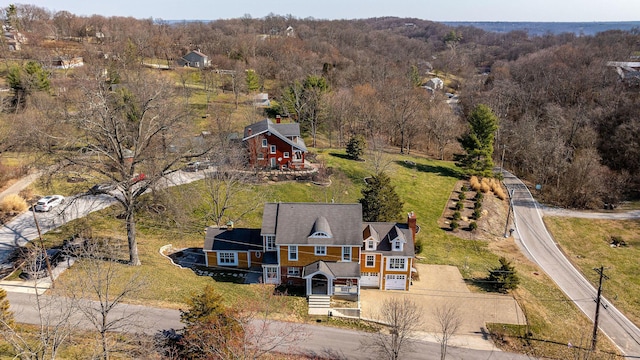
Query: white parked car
{"points": [[49, 202]]}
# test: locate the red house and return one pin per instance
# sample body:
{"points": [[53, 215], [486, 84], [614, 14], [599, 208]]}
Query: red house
{"points": [[275, 146]]}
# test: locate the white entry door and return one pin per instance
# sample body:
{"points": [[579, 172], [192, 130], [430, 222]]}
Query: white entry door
{"points": [[395, 282]]}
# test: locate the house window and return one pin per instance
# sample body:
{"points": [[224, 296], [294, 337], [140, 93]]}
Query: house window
{"points": [[293, 253], [272, 274], [371, 261], [346, 254], [297, 155], [273, 149], [320, 234], [264, 142], [397, 264], [293, 271], [270, 242], [260, 156], [285, 155], [371, 245], [397, 246], [227, 259], [321, 250]]}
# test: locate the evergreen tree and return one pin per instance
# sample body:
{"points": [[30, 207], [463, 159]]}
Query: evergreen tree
{"points": [[380, 202], [478, 142], [24, 80], [504, 277], [356, 147], [414, 76], [253, 81], [6, 316]]}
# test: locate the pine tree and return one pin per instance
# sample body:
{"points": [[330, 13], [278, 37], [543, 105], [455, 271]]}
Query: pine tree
{"points": [[478, 142], [253, 81], [504, 277], [356, 146], [380, 202], [6, 316]]}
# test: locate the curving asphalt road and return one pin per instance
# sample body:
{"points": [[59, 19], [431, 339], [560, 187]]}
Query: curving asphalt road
{"points": [[539, 246]]}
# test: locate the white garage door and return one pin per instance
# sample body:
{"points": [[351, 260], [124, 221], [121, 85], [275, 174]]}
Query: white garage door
{"points": [[370, 279], [395, 282]]}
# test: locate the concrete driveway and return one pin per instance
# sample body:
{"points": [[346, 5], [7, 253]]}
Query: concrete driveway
{"points": [[442, 285]]}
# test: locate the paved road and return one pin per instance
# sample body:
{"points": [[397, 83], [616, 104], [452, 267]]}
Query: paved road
{"points": [[538, 245], [321, 340], [22, 229]]}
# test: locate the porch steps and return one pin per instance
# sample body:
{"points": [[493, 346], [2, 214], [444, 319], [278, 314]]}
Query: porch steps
{"points": [[319, 304]]}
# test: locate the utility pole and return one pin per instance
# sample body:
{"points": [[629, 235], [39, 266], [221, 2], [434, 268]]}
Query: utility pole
{"points": [[594, 338], [506, 224], [43, 248], [504, 147]]}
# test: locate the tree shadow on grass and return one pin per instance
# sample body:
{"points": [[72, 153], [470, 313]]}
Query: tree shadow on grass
{"points": [[434, 169], [341, 156], [484, 284]]}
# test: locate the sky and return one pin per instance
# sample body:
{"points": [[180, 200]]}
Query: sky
{"points": [[435, 10]]}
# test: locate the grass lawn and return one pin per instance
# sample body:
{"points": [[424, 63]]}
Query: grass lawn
{"points": [[587, 245]]}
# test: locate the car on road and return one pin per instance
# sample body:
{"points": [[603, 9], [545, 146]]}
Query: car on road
{"points": [[101, 189], [198, 165], [49, 202]]}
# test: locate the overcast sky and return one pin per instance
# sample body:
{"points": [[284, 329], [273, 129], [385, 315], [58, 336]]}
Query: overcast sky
{"points": [[436, 10]]}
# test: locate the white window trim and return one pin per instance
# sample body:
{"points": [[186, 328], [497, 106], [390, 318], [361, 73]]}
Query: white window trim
{"points": [[293, 249], [404, 261], [344, 252], [266, 243], [264, 143], [371, 245], [397, 245], [320, 234], [285, 154], [235, 258], [293, 271], [272, 149], [320, 250], [366, 261]]}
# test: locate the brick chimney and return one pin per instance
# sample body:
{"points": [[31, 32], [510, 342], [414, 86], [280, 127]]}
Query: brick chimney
{"points": [[411, 221], [278, 119], [249, 131]]}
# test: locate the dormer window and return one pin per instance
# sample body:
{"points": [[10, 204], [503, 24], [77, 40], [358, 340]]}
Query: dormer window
{"points": [[371, 245], [320, 234], [397, 245]]}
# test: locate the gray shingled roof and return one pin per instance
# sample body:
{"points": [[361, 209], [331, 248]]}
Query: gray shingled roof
{"points": [[232, 239], [283, 131], [294, 222], [388, 231], [336, 269]]}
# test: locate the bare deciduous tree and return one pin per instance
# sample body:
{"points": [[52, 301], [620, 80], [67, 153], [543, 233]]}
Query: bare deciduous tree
{"points": [[449, 320], [100, 286], [133, 134], [402, 317]]}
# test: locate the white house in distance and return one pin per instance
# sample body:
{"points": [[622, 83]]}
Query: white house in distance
{"points": [[194, 59]]}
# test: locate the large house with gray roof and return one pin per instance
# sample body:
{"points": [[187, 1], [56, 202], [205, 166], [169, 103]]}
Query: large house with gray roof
{"points": [[325, 247], [275, 145]]}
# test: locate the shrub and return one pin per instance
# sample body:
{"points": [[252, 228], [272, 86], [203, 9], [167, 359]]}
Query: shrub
{"points": [[477, 213], [477, 205], [464, 188], [475, 183], [13, 203], [473, 226], [485, 186], [462, 196], [459, 206], [456, 215], [417, 247], [500, 194], [479, 196], [454, 225]]}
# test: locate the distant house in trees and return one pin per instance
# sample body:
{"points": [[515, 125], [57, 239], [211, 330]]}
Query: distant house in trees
{"points": [[65, 62], [435, 83], [13, 39], [194, 59], [275, 146], [261, 100]]}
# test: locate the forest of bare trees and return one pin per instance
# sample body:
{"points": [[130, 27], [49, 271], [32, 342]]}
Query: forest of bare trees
{"points": [[566, 120]]}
